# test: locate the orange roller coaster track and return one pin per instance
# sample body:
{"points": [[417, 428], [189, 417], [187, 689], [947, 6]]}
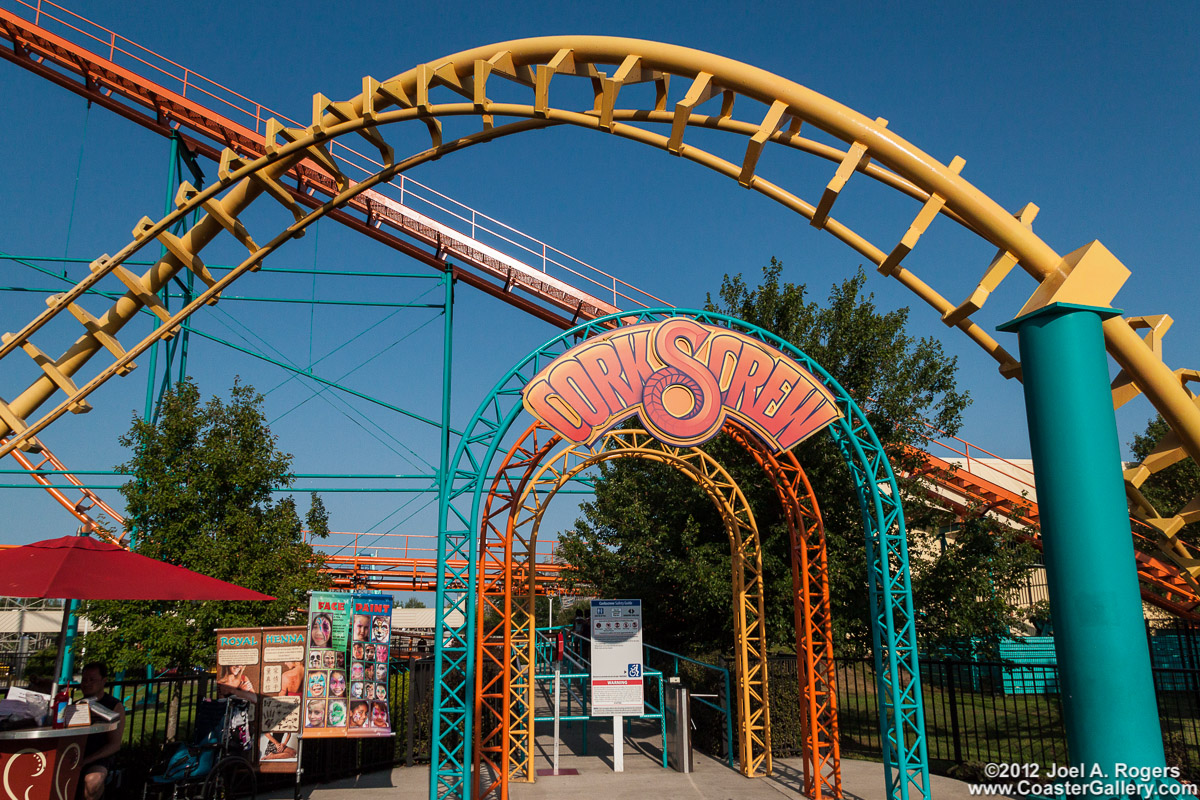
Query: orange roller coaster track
{"points": [[134, 89]]}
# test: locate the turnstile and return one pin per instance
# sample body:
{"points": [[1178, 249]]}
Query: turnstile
{"points": [[679, 726]]}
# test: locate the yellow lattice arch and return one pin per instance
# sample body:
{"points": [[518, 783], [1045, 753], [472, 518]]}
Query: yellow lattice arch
{"points": [[524, 520], [1089, 275]]}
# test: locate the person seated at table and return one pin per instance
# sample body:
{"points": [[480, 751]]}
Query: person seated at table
{"points": [[100, 750]]}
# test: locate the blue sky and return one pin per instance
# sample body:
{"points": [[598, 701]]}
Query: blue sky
{"points": [[1088, 110]]}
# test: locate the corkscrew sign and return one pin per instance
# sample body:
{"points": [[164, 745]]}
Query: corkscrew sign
{"points": [[683, 379]]}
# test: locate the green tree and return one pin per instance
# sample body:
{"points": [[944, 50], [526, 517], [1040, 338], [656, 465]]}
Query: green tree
{"points": [[413, 602], [651, 533], [967, 583], [200, 496], [1170, 489]]}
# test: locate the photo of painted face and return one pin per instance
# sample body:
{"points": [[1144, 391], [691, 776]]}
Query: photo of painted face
{"points": [[362, 628], [381, 672], [381, 629], [379, 715], [322, 631], [381, 653], [330, 659], [358, 714], [337, 713], [356, 672], [316, 714], [356, 652], [369, 691], [381, 691], [316, 684], [356, 689], [337, 683], [314, 660]]}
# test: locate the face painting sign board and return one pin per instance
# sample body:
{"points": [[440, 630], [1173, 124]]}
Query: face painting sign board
{"points": [[326, 711], [348, 686], [617, 684], [369, 684]]}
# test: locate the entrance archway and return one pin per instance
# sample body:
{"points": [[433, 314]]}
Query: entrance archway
{"points": [[889, 590], [519, 495]]}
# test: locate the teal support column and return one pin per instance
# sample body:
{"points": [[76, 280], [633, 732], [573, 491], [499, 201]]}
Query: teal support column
{"points": [[462, 759], [447, 364], [1104, 669], [67, 642], [168, 206]]}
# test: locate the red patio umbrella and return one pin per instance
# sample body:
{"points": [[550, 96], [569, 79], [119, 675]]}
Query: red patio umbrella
{"points": [[79, 568]]}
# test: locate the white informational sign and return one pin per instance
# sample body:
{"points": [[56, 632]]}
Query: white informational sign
{"points": [[617, 658]]}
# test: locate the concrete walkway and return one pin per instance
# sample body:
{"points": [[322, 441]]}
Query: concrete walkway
{"points": [[641, 780], [591, 776]]}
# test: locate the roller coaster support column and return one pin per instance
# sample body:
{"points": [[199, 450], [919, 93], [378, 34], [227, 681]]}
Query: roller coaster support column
{"points": [[1108, 696], [447, 363], [165, 295], [180, 157], [460, 757]]}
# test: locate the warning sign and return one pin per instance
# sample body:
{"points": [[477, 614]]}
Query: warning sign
{"points": [[617, 658]]}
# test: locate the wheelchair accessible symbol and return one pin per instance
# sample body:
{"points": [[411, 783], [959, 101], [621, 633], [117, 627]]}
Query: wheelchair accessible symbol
{"points": [[634, 671]]}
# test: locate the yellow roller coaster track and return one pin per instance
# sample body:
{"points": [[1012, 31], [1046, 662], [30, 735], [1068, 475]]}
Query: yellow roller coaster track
{"points": [[457, 86]]}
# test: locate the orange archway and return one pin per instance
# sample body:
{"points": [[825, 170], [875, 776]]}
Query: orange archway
{"points": [[503, 728]]}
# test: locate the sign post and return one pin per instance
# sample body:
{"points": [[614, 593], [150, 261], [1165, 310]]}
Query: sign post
{"points": [[557, 710], [616, 660]]}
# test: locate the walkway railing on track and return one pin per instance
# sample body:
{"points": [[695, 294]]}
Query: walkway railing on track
{"points": [[253, 116], [957, 448]]}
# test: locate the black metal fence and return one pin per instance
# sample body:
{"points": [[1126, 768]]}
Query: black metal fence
{"points": [[972, 712], [975, 711], [983, 711], [12, 668]]}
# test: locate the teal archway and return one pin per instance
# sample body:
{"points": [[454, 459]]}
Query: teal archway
{"points": [[901, 717]]}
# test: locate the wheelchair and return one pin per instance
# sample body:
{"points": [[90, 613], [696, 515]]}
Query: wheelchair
{"points": [[217, 765]]}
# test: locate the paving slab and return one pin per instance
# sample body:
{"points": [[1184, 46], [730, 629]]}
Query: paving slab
{"points": [[591, 776]]}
